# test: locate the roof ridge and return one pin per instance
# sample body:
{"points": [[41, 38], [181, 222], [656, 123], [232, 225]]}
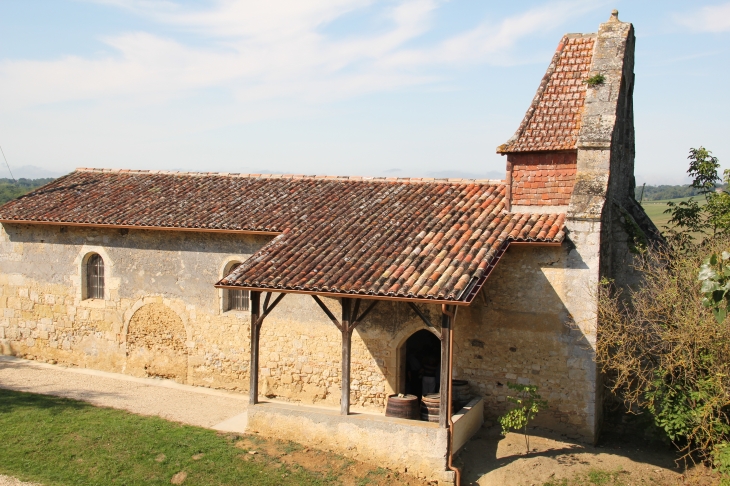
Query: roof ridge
{"points": [[291, 176]]}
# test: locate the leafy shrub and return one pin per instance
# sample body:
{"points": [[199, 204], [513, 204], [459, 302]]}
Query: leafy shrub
{"points": [[715, 279], [528, 404], [665, 351], [721, 461]]}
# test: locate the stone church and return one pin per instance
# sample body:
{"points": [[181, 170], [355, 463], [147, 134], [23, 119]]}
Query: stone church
{"points": [[313, 293]]}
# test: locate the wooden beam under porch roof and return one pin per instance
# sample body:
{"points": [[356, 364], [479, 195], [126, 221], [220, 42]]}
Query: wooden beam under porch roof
{"points": [[351, 317]]}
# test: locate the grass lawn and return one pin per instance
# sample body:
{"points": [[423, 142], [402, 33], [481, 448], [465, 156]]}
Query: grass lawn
{"points": [[57, 441]]}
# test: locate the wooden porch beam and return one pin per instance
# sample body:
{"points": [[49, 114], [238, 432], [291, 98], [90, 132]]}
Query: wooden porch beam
{"points": [[257, 319], [346, 325], [266, 301], [328, 312], [359, 319], [424, 318], [267, 308]]}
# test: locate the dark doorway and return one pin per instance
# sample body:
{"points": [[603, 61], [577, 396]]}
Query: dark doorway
{"points": [[423, 363]]}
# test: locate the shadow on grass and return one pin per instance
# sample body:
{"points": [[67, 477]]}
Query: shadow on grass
{"points": [[11, 400], [61, 441]]}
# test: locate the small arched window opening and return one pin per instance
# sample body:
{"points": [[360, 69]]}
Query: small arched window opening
{"points": [[238, 299], [95, 277]]}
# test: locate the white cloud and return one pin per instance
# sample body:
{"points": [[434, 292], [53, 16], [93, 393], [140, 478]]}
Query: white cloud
{"points": [[489, 41], [713, 18], [263, 50]]}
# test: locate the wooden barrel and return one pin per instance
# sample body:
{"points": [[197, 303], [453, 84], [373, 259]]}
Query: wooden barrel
{"points": [[431, 400], [430, 405], [460, 394], [404, 406], [427, 417]]}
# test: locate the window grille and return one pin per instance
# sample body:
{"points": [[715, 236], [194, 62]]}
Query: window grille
{"points": [[237, 299], [95, 277]]}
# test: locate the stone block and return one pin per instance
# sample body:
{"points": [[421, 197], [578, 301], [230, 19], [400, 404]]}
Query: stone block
{"points": [[5, 348]]}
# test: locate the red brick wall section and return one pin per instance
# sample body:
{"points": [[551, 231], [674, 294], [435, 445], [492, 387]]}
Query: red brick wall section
{"points": [[542, 179]]}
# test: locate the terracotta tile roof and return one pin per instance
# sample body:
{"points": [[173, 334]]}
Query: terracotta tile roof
{"points": [[401, 238], [553, 120]]}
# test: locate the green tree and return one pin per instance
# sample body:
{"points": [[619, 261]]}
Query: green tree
{"points": [[11, 189], [690, 218]]}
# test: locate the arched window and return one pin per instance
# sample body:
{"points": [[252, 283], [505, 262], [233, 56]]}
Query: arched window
{"points": [[237, 298], [95, 277]]}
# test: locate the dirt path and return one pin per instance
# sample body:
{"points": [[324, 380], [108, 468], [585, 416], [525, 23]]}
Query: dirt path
{"points": [[9, 481], [492, 460], [146, 396]]}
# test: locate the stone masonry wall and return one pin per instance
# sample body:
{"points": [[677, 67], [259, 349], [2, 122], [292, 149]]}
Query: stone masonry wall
{"points": [[522, 329], [163, 317]]}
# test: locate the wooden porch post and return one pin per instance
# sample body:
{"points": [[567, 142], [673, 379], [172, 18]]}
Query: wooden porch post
{"points": [[444, 378], [350, 320], [346, 329], [253, 369]]}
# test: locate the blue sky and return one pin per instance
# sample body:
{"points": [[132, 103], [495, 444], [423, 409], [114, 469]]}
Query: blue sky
{"points": [[361, 87]]}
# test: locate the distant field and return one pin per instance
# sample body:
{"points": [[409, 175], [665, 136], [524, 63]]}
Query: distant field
{"points": [[655, 210]]}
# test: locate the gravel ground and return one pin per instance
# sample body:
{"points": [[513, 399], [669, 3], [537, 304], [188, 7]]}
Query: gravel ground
{"points": [[146, 396]]}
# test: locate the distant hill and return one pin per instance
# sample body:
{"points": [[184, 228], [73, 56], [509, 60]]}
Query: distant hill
{"points": [[31, 172], [10, 190]]}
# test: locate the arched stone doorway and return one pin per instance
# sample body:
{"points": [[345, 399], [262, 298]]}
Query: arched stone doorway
{"points": [[156, 344], [421, 363]]}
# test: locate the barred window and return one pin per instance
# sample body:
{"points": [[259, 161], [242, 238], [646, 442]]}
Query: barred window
{"points": [[95, 277], [237, 299]]}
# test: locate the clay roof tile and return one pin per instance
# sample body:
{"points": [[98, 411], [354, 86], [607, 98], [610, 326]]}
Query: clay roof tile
{"points": [[356, 236]]}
